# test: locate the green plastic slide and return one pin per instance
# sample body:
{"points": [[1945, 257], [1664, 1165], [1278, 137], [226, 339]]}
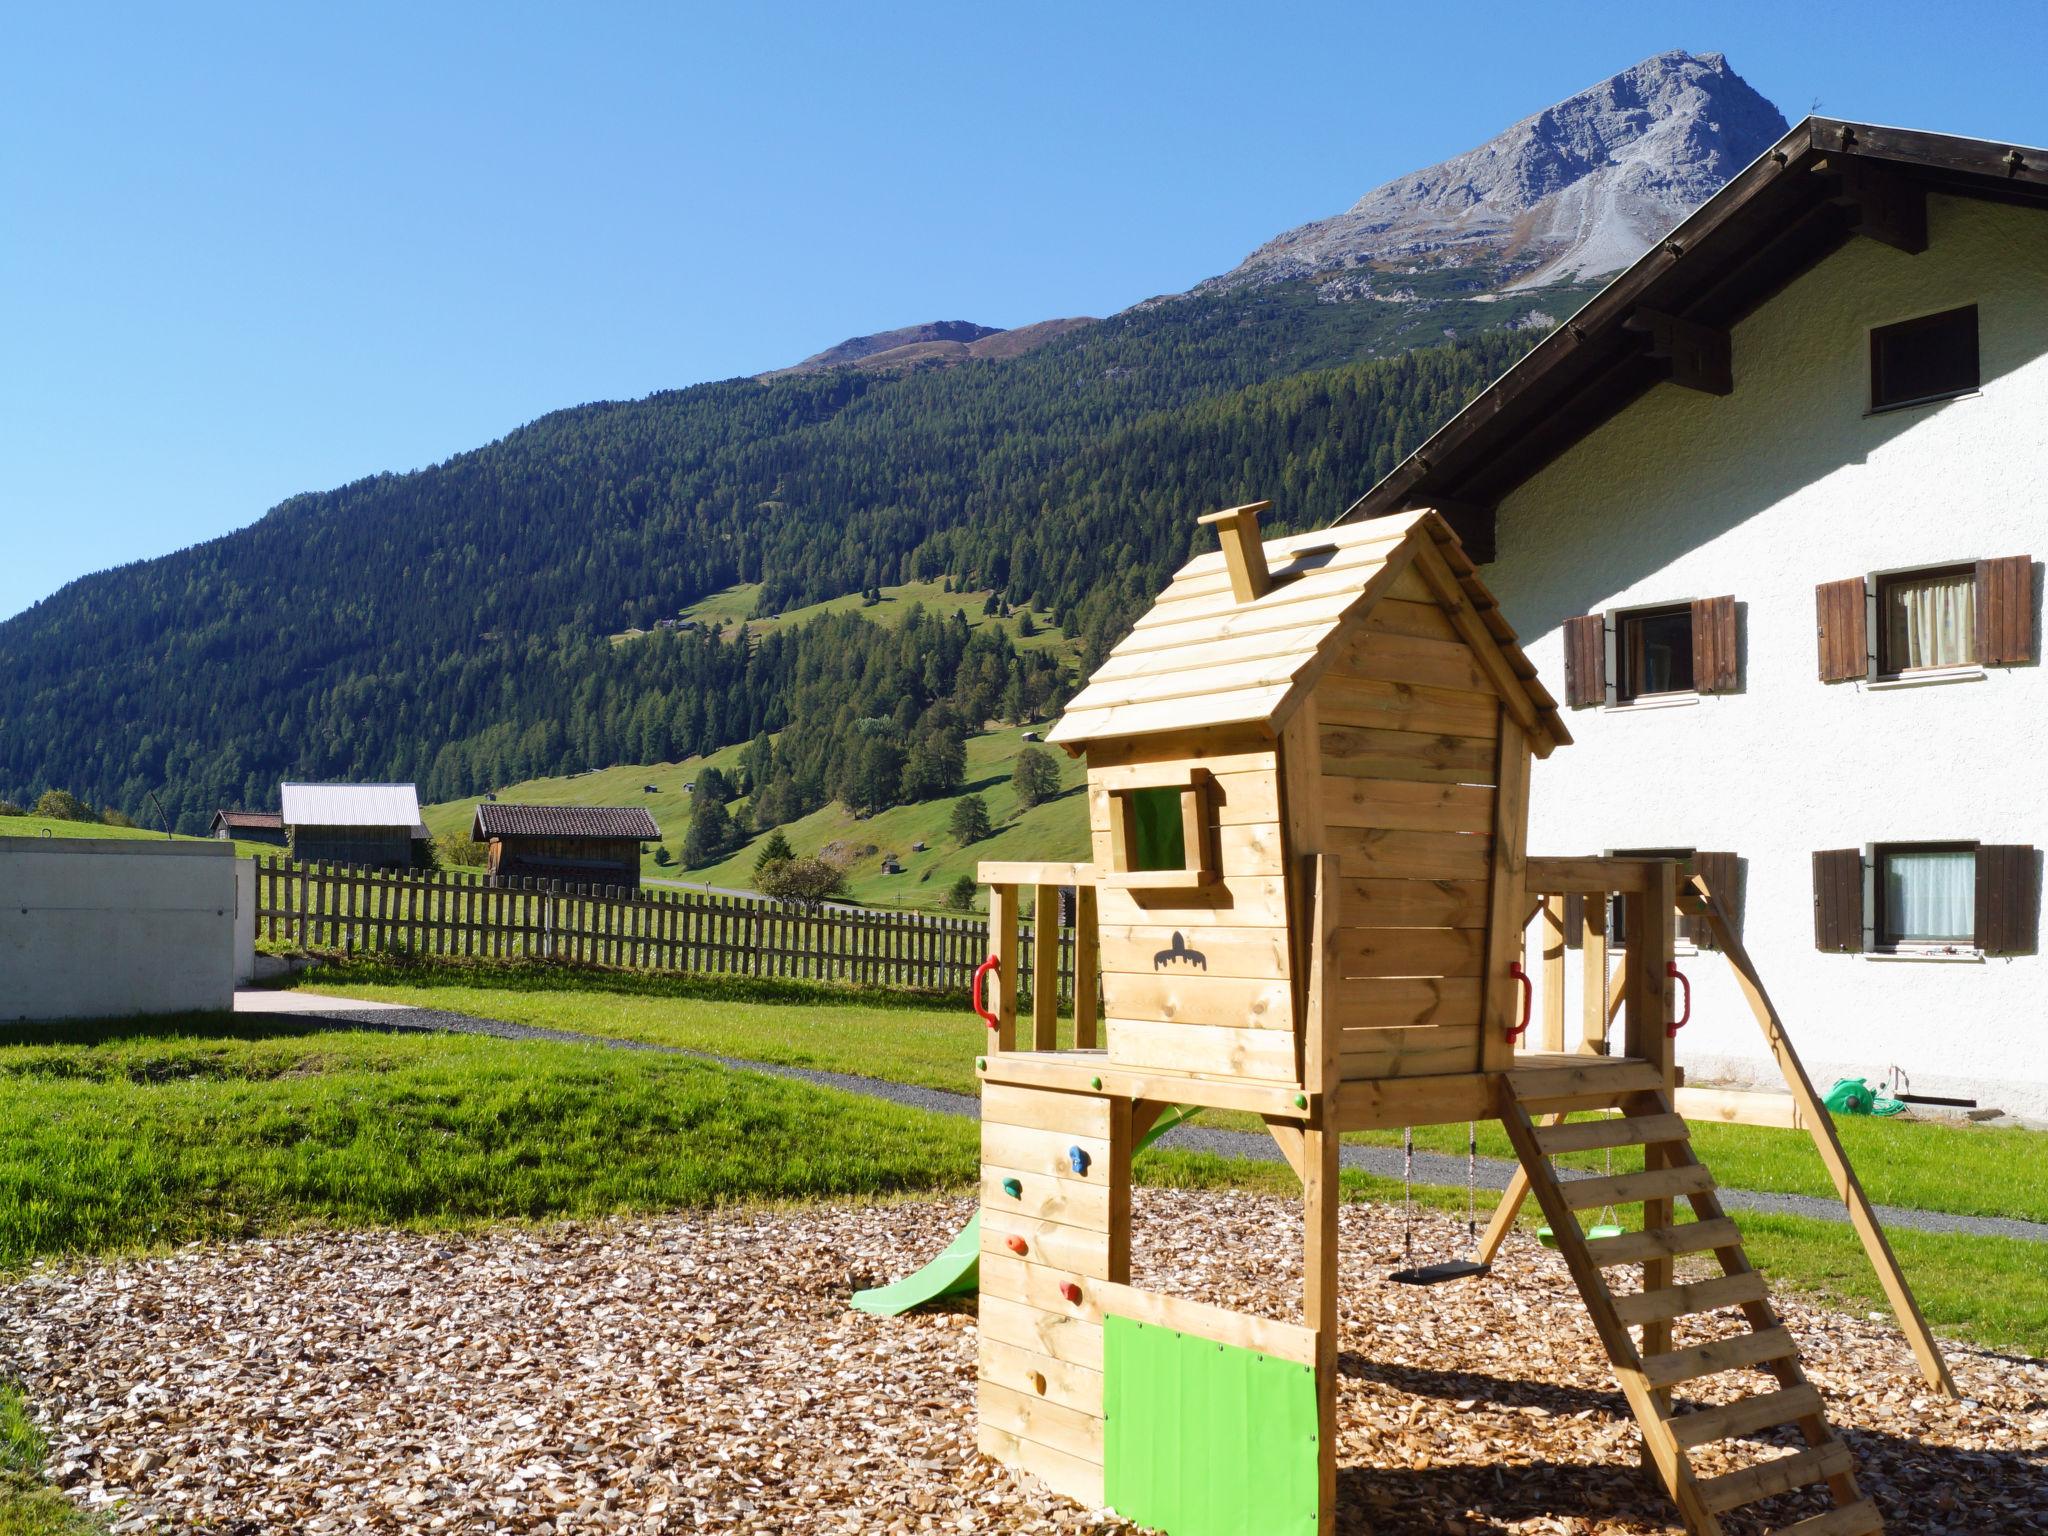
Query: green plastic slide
{"points": [[957, 1271]]}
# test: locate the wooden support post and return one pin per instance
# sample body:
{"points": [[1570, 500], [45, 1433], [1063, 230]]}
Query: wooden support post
{"points": [[1002, 943], [1593, 1010], [1552, 1037], [1321, 1194], [1502, 1008], [1045, 968], [1811, 1108], [1087, 967], [1652, 928]]}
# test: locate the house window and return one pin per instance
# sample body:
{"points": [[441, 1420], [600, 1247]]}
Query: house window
{"points": [[1926, 894], [1927, 619], [1158, 828], [1931, 358], [1653, 652], [1617, 922]]}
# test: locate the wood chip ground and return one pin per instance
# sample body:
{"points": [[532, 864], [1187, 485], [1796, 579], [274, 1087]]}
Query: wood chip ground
{"points": [[704, 1373]]}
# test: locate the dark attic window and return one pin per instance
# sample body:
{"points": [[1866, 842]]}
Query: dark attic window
{"points": [[1931, 358]]}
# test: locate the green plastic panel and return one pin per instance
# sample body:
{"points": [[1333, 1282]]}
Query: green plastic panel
{"points": [[1206, 1439]]}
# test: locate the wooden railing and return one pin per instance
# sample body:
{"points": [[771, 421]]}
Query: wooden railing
{"points": [[352, 910], [1074, 974]]}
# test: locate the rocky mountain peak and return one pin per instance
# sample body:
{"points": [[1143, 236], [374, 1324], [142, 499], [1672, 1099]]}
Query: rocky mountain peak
{"points": [[1575, 191]]}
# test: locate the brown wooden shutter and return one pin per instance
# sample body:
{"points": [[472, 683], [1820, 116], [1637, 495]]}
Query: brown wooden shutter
{"points": [[2007, 906], [1713, 645], [2005, 611], [1585, 661], [1843, 630], [1723, 874], [1838, 901], [1575, 921]]}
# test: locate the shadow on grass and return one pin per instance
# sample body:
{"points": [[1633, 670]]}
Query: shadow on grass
{"points": [[172, 1026], [563, 976]]}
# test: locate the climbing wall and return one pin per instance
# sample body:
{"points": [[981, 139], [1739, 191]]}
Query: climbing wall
{"points": [[1055, 1224]]}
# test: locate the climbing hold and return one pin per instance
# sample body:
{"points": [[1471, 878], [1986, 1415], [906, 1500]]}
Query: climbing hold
{"points": [[981, 1063], [1014, 1188], [1094, 1082], [1038, 1382], [1301, 1101], [1018, 1245], [1071, 1291], [1078, 1160]]}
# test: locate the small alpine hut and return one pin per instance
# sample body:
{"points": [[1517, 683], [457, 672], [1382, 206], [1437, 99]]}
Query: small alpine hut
{"points": [[373, 825], [589, 844], [1352, 692], [249, 827]]}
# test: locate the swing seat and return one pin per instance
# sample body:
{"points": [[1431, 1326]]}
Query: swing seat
{"points": [[1548, 1238], [1439, 1274]]}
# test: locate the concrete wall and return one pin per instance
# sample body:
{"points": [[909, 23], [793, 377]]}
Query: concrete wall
{"points": [[105, 928], [1765, 493]]}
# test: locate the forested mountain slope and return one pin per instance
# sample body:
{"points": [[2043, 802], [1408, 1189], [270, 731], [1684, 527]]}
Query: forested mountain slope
{"points": [[448, 625]]}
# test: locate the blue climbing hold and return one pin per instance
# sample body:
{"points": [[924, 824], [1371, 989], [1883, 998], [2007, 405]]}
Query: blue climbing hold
{"points": [[1078, 1159], [1014, 1188]]}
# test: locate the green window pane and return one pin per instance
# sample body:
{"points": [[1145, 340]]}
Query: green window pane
{"points": [[1158, 837]]}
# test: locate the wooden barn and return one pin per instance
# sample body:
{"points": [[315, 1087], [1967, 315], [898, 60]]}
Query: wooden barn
{"points": [[372, 825], [249, 826], [587, 844]]}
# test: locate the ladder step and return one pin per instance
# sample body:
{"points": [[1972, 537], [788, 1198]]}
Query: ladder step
{"points": [[1686, 1300], [1744, 1349], [1858, 1519], [1768, 1479], [1628, 1188], [1745, 1416], [1583, 1084], [1621, 1131], [1664, 1242]]}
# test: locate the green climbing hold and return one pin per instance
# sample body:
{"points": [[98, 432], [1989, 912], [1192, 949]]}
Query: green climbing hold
{"points": [[981, 1063], [1094, 1082], [1301, 1101], [1014, 1188]]}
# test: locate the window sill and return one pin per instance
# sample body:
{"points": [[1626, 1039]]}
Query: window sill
{"points": [[1926, 677], [1958, 956], [1923, 402], [1652, 701]]}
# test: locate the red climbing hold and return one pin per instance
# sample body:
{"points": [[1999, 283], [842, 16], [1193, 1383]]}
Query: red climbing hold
{"points": [[1071, 1291], [1018, 1245]]}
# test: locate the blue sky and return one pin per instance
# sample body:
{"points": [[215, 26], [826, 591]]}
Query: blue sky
{"points": [[246, 252]]}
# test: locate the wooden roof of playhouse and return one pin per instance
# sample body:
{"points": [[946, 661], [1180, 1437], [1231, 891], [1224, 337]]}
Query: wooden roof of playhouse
{"points": [[1240, 636]]}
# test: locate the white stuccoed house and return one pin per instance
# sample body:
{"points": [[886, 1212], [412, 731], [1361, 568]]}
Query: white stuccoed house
{"points": [[1767, 508]]}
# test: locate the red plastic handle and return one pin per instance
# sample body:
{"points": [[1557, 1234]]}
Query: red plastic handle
{"points": [[1528, 997], [1671, 969], [980, 975]]}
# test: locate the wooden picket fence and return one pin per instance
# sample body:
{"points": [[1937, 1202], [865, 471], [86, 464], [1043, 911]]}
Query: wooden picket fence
{"points": [[353, 910]]}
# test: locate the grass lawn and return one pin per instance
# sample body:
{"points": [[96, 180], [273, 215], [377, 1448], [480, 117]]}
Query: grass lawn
{"points": [[134, 1136], [27, 1507]]}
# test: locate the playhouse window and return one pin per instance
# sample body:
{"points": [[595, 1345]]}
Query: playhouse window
{"points": [[1158, 829]]}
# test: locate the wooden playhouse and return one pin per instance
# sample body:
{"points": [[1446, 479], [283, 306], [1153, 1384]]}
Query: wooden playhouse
{"points": [[1307, 780]]}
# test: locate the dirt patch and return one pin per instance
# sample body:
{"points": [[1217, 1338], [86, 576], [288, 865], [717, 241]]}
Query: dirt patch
{"points": [[704, 1374]]}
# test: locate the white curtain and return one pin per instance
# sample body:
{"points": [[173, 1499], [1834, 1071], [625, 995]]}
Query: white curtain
{"points": [[1931, 622], [1930, 895]]}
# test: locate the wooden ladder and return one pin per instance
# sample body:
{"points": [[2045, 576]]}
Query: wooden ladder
{"points": [[1648, 1375]]}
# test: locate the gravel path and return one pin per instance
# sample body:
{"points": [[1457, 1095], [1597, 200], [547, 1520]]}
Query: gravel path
{"points": [[1430, 1167], [704, 1373]]}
